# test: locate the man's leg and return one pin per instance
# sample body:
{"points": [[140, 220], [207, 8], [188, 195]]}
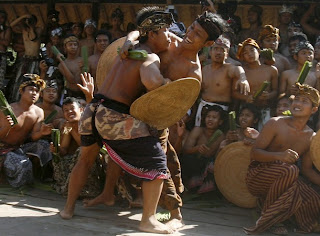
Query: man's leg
{"points": [[151, 193], [79, 177], [107, 196]]}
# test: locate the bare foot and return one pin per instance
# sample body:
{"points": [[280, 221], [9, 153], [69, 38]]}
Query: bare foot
{"points": [[152, 225], [101, 199], [175, 221], [66, 214]]}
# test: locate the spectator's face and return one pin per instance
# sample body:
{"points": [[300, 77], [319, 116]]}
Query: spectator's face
{"points": [[50, 95], [218, 53], [77, 31], [89, 29], [213, 120], [246, 119], [71, 112], [301, 106], [282, 106], [252, 17], [317, 51], [102, 42], [162, 40], [116, 22], [30, 94], [285, 18], [304, 55], [195, 36], [292, 30], [72, 47], [292, 46], [271, 42], [250, 54], [55, 40]]}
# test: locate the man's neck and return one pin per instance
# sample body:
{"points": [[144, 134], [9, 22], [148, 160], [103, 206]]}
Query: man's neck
{"points": [[299, 123], [216, 65], [71, 56], [48, 105], [24, 105], [254, 64], [209, 132]]}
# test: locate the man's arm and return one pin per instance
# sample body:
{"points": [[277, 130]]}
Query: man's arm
{"points": [[6, 40], [190, 145], [40, 129], [308, 171], [5, 126], [150, 74], [17, 21], [238, 77], [283, 82], [274, 83], [63, 68], [265, 138], [304, 21]]}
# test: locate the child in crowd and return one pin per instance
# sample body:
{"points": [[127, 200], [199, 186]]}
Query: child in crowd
{"points": [[200, 149]]}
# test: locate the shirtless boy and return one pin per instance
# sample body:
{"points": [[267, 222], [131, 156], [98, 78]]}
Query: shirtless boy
{"points": [[70, 68], [304, 52], [5, 40], [257, 73], [219, 79], [273, 176], [90, 27], [127, 81], [30, 125]]}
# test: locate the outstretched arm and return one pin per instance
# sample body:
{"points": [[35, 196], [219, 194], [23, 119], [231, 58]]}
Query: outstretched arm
{"points": [[304, 21]]}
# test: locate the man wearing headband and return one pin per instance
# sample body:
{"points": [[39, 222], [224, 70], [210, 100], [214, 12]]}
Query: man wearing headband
{"points": [[269, 38], [220, 88], [273, 175], [90, 27], [31, 38], [71, 67], [107, 121], [257, 73], [16, 165], [5, 40], [304, 51]]}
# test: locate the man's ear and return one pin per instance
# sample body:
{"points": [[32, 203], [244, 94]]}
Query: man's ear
{"points": [[295, 57], [314, 110], [209, 43]]}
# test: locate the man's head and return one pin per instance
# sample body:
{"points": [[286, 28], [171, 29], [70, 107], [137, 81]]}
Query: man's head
{"points": [[71, 44], [53, 16], [102, 40], [90, 27], [153, 24], [71, 109], [50, 93], [117, 17], [249, 116], [248, 51], [269, 37], [294, 40], [212, 117], [304, 51], [306, 101], [77, 29], [294, 28], [255, 14], [204, 31], [55, 36], [32, 21], [220, 49], [30, 87], [285, 14]]}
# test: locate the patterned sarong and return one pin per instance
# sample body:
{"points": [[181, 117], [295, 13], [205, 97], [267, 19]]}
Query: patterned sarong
{"points": [[283, 194], [40, 149]]}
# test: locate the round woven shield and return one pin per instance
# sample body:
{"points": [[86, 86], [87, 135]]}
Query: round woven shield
{"points": [[230, 171], [315, 150], [106, 60], [166, 105]]}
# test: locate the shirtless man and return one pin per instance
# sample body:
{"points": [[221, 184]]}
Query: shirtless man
{"points": [[269, 38], [285, 18], [127, 81], [5, 40], [116, 22], [30, 125], [219, 79], [304, 52], [257, 73], [293, 42], [89, 29], [102, 40], [273, 175], [70, 68], [31, 39]]}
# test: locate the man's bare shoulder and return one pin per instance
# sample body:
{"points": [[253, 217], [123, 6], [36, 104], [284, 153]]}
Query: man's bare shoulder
{"points": [[289, 72]]}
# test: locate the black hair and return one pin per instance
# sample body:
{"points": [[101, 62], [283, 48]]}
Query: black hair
{"points": [[70, 100], [142, 15], [206, 109], [117, 13], [297, 37], [213, 24], [255, 111], [103, 32], [259, 10]]}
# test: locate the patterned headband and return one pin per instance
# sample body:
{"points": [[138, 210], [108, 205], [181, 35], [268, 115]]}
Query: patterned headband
{"points": [[70, 39], [155, 22], [32, 80], [248, 41], [309, 92]]}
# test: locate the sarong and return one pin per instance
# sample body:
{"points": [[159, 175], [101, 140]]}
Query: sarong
{"points": [[18, 168], [40, 149], [62, 171], [28, 65], [127, 140], [3, 66], [283, 195], [201, 105]]}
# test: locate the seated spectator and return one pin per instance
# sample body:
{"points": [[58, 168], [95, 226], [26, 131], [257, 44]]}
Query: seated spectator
{"points": [[199, 149], [14, 162]]}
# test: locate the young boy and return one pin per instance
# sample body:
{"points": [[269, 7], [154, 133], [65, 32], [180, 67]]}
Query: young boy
{"points": [[257, 73], [304, 52], [69, 152], [273, 176], [90, 27], [70, 68]]}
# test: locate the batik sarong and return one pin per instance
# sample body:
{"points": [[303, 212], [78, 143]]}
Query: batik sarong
{"points": [[127, 140], [40, 149], [276, 184]]}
